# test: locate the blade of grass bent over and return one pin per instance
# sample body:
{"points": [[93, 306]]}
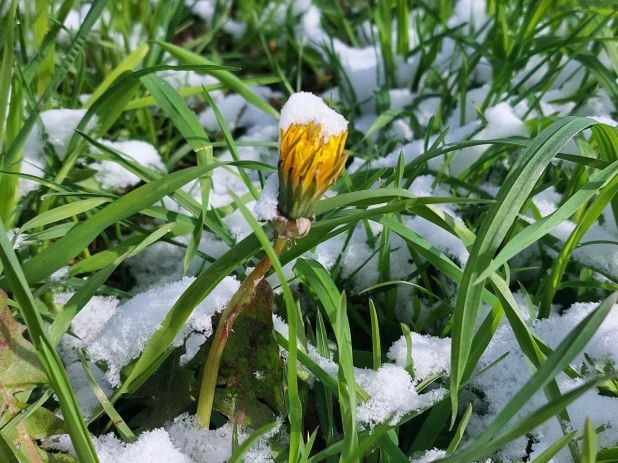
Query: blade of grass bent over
{"points": [[511, 197]]}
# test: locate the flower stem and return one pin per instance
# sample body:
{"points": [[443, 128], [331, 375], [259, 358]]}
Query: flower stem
{"points": [[224, 328]]}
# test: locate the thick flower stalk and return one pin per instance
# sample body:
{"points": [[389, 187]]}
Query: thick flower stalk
{"points": [[312, 137]]}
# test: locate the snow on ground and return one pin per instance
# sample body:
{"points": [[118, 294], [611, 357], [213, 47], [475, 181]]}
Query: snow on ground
{"points": [[113, 175], [499, 384], [85, 327], [391, 389], [56, 127], [214, 446], [128, 331], [114, 333], [180, 442]]}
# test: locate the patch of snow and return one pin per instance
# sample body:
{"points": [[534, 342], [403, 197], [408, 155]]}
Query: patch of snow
{"points": [[128, 331], [266, 208], [112, 175], [151, 447], [502, 382], [214, 446], [238, 113], [431, 355], [392, 395], [86, 325], [60, 125]]}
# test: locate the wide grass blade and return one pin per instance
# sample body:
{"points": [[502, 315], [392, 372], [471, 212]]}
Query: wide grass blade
{"points": [[540, 228], [571, 346], [52, 365], [54, 257], [511, 197]]}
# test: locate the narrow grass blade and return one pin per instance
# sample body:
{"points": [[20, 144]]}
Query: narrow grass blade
{"points": [[589, 450], [6, 74], [460, 431], [346, 383], [375, 337], [63, 212], [238, 455], [555, 448], [125, 432]]}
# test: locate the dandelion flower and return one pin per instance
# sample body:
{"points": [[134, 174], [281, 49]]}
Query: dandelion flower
{"points": [[312, 137]]}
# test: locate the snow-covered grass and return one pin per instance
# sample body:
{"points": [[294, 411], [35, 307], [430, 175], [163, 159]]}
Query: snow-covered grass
{"points": [[473, 233]]}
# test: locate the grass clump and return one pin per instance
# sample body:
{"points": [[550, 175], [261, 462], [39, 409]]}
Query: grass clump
{"points": [[432, 278]]}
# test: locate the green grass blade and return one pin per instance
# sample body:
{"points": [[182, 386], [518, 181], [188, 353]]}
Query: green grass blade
{"points": [[551, 451], [54, 257], [52, 365], [63, 212], [589, 451], [7, 451], [346, 384], [125, 432], [501, 215], [6, 70], [375, 337], [460, 431]]}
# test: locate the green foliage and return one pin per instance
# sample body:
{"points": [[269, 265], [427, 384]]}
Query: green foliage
{"points": [[119, 66]]}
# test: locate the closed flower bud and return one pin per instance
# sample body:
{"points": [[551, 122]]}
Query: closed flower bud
{"points": [[312, 138]]}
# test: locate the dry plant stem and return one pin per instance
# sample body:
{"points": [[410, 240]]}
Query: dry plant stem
{"points": [[224, 328]]}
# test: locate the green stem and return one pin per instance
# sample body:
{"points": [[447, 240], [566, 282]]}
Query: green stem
{"points": [[224, 328]]}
